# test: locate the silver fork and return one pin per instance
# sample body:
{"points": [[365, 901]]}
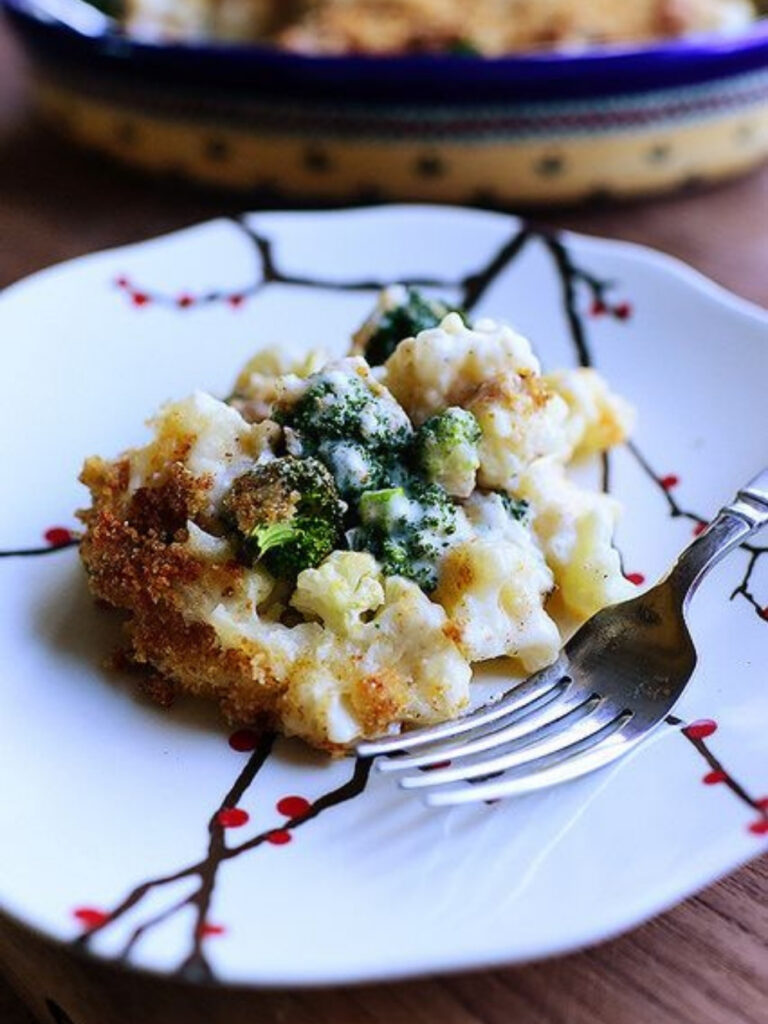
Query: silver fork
{"points": [[616, 680]]}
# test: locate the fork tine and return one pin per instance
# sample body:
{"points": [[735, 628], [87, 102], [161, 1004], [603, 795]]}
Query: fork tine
{"points": [[528, 720], [598, 750], [560, 733], [520, 695]]}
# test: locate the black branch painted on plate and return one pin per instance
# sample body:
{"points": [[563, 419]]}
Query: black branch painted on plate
{"points": [[474, 286], [754, 552], [720, 775], [744, 589], [195, 966], [49, 549], [271, 274], [571, 276]]}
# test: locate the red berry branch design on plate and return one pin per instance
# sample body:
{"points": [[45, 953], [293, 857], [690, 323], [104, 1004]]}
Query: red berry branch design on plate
{"points": [[267, 273], [577, 284], [56, 538], [295, 812], [695, 732], [754, 552]]}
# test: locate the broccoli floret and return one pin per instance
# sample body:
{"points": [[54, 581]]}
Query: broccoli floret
{"points": [[353, 466], [286, 514], [517, 508], [408, 529], [390, 327], [445, 449], [386, 509], [344, 406]]}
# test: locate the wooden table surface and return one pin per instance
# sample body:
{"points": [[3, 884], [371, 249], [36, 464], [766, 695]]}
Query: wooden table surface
{"points": [[706, 962]]}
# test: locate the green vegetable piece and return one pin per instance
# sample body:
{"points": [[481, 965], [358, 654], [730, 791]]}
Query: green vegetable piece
{"points": [[286, 514], [353, 466], [384, 509], [446, 451], [405, 321], [342, 406], [407, 529]]}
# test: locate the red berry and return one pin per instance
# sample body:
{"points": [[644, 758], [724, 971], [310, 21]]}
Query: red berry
{"points": [[763, 613], [670, 481], [293, 806], [236, 301], [140, 298], [58, 535], [759, 827], [207, 929], [243, 740], [232, 817], [700, 729], [623, 311], [598, 307], [279, 837], [712, 778], [90, 917], [635, 577], [698, 529], [185, 301]]}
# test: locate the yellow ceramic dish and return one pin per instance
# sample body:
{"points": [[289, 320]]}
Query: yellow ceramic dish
{"points": [[557, 127]]}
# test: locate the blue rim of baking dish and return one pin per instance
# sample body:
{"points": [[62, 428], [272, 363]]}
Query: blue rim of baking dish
{"points": [[430, 78]]}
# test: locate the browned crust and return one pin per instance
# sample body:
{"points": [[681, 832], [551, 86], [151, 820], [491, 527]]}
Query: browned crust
{"points": [[510, 389], [378, 700], [136, 560]]}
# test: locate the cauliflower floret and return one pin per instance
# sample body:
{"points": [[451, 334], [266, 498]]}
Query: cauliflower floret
{"points": [[411, 636], [257, 387], [209, 437], [521, 419], [444, 365], [402, 665], [207, 548], [575, 529], [226, 597], [493, 592], [492, 516], [598, 419], [340, 590], [274, 361]]}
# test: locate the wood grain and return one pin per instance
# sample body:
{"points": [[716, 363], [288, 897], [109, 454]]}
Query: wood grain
{"points": [[706, 962]]}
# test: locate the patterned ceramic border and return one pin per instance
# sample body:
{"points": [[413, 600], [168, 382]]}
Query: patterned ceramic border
{"points": [[531, 155]]}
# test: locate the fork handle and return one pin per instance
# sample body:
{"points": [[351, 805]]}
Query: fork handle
{"points": [[733, 525]]}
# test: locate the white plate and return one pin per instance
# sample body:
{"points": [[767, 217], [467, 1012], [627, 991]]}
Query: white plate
{"points": [[103, 792]]}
